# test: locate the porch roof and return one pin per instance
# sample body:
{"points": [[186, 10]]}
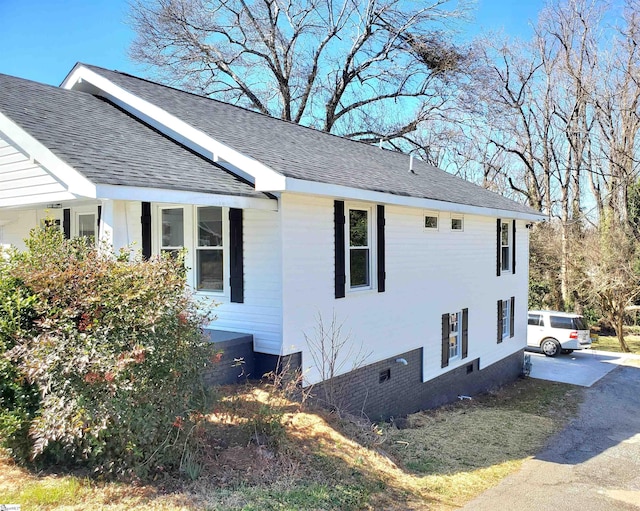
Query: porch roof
{"points": [[108, 146]]}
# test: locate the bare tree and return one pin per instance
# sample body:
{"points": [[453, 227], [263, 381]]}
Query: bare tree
{"points": [[609, 260], [616, 97], [365, 69]]}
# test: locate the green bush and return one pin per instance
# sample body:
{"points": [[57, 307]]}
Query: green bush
{"points": [[114, 348]]}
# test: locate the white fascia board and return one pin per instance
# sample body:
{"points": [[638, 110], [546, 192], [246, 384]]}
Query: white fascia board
{"points": [[330, 190], [34, 200], [70, 178], [257, 173], [137, 193]]}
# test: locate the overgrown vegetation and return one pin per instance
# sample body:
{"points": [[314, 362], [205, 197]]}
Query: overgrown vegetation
{"points": [[317, 460], [101, 358]]}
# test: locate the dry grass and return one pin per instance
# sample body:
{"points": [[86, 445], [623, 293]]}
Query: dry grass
{"points": [[610, 343], [319, 461]]}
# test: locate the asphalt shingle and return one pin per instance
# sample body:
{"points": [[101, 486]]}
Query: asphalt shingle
{"points": [[107, 145], [304, 153]]}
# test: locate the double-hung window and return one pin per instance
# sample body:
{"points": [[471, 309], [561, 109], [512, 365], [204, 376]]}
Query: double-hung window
{"points": [[359, 244], [505, 246], [506, 317], [209, 249], [506, 323], [455, 336], [201, 231], [359, 249], [506, 255]]}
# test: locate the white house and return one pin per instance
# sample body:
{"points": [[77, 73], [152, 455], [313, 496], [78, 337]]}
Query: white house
{"points": [[426, 272]]}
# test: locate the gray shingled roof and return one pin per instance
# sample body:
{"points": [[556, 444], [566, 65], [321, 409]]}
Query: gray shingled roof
{"points": [[107, 145], [304, 153]]}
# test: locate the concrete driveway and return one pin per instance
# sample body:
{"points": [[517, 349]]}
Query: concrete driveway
{"points": [[582, 368], [591, 465]]}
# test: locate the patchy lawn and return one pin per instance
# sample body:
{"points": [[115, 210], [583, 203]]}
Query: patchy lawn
{"points": [[610, 343], [264, 453]]}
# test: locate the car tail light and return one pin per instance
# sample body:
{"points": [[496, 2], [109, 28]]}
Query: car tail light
{"points": [[573, 335]]}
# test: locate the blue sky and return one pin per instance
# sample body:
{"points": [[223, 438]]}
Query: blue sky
{"points": [[42, 39]]}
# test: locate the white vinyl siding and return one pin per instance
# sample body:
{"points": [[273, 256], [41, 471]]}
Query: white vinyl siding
{"points": [[426, 276]]}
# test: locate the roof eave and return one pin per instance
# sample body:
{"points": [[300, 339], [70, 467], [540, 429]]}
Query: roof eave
{"points": [[349, 193], [135, 193]]}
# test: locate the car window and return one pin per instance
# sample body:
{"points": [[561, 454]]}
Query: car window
{"points": [[534, 319], [568, 323], [580, 324]]}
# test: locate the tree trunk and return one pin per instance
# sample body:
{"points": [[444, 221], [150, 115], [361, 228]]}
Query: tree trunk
{"points": [[620, 332]]}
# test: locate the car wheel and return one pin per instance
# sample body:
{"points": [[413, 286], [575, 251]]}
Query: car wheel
{"points": [[566, 352], [550, 347]]}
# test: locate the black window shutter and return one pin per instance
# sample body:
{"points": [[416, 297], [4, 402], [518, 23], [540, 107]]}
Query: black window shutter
{"points": [[340, 271], [98, 221], [513, 248], [236, 255], [499, 321], [465, 332], [512, 318], [381, 249], [445, 340], [145, 220], [499, 250], [66, 223]]}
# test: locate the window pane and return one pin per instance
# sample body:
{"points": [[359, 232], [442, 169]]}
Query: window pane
{"points": [[209, 270], [456, 224], [561, 322], [358, 228], [172, 228], [453, 335], [210, 227], [431, 222], [87, 225], [580, 324], [534, 319], [505, 234], [505, 318], [505, 258], [359, 267]]}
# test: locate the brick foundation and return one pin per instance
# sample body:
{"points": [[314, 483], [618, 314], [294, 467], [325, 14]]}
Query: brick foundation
{"points": [[380, 390], [368, 390]]}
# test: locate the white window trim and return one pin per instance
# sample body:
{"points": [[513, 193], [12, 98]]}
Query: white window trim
{"points": [[190, 238], [434, 214], [456, 217], [508, 223], [348, 207], [76, 212], [458, 336], [506, 317]]}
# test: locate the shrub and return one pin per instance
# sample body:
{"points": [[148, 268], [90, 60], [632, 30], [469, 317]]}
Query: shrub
{"points": [[114, 347]]}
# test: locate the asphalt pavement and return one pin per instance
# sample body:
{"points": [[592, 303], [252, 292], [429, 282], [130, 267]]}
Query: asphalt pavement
{"points": [[591, 465]]}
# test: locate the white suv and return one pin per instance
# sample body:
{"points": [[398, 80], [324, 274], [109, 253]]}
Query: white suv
{"points": [[554, 332]]}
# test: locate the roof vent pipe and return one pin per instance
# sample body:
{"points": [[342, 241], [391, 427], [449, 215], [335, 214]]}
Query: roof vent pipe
{"points": [[411, 163]]}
